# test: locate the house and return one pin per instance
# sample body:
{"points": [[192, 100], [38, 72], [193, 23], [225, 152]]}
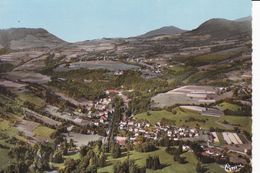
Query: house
{"points": [[120, 140]]}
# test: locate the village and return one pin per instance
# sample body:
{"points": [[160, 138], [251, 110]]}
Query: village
{"points": [[96, 115], [158, 103]]}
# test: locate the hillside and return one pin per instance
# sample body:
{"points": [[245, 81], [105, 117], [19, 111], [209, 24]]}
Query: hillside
{"points": [[22, 38], [167, 30], [222, 28]]}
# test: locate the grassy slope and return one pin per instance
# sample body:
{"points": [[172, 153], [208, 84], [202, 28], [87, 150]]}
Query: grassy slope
{"points": [[29, 97], [43, 131], [7, 129], [228, 106], [214, 168], [4, 158], [182, 115], [165, 158]]}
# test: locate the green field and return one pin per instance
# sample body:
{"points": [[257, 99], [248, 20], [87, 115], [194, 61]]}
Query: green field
{"points": [[212, 57], [214, 168], [228, 106], [43, 131], [4, 158], [170, 166], [6, 129], [61, 165], [34, 100], [182, 117], [165, 158]]}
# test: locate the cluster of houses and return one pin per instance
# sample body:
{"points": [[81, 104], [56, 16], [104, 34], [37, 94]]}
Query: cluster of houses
{"points": [[102, 110], [146, 130]]}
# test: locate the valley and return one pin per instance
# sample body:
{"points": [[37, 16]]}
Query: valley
{"points": [[180, 97]]}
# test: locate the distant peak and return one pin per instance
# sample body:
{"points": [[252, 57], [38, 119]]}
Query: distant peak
{"points": [[166, 30], [243, 19]]}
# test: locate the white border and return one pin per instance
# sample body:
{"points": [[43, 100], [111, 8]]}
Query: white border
{"points": [[256, 87]]}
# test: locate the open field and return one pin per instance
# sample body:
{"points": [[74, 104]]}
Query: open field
{"points": [[8, 131], [182, 117], [11, 84], [228, 106], [231, 138], [204, 111], [82, 139], [41, 118], [31, 77], [107, 65], [165, 158], [32, 99], [4, 159], [214, 168], [43, 132], [189, 94], [6, 128], [26, 127], [214, 57]]}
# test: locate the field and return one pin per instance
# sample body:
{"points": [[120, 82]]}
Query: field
{"points": [[8, 131], [32, 99], [189, 94], [182, 117], [4, 159], [43, 132], [228, 106], [82, 139], [165, 158], [6, 128], [26, 127], [107, 65], [214, 168], [31, 77], [213, 57]]}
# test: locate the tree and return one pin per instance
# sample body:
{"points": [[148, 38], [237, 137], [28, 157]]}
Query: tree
{"points": [[153, 163], [200, 168], [115, 150], [145, 147], [57, 157], [101, 160], [128, 166], [83, 150], [70, 165], [91, 169], [165, 142]]}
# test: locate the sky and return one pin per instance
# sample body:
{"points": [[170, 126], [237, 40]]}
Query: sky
{"points": [[78, 20]]}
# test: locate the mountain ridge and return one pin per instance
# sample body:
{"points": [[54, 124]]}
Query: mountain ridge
{"points": [[166, 30], [21, 38]]}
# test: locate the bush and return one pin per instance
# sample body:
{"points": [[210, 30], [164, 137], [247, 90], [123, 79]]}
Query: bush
{"points": [[145, 147], [153, 163]]}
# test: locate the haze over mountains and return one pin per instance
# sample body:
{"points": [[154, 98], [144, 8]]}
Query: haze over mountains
{"points": [[22, 38]]}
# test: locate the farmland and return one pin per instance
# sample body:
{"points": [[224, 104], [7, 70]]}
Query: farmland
{"points": [[181, 118], [171, 103], [165, 159]]}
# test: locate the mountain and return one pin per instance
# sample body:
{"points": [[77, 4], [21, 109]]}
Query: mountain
{"points": [[167, 30], [221, 28], [22, 38], [243, 19]]}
